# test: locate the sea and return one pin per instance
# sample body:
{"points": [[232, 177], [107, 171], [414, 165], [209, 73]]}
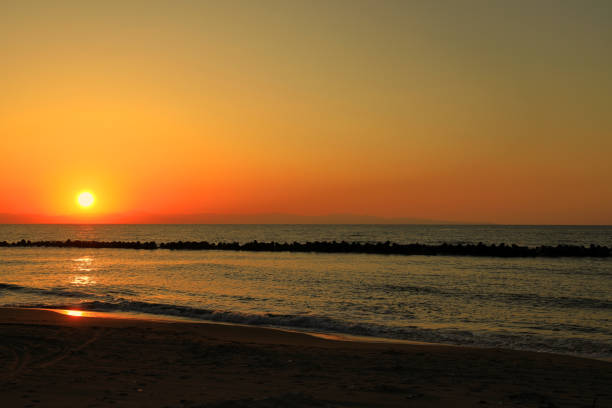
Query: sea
{"points": [[558, 305]]}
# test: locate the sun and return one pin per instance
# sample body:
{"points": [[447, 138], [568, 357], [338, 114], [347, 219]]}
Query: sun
{"points": [[85, 199]]}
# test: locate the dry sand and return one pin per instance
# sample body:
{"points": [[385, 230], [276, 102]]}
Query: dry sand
{"points": [[52, 360]]}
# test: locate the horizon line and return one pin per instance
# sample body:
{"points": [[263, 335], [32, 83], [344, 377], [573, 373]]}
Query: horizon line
{"points": [[457, 224]]}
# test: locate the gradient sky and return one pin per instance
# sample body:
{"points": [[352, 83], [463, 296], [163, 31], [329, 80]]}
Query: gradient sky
{"points": [[475, 111]]}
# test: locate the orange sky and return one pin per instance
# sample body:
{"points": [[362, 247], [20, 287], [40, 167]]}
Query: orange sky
{"points": [[473, 111]]}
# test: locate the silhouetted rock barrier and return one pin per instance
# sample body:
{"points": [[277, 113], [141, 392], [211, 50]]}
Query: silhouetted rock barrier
{"points": [[385, 248]]}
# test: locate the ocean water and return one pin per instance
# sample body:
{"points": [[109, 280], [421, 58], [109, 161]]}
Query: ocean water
{"points": [[561, 305]]}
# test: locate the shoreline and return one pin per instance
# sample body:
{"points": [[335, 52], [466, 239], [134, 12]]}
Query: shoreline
{"points": [[52, 359], [318, 333], [334, 336], [313, 332], [145, 317]]}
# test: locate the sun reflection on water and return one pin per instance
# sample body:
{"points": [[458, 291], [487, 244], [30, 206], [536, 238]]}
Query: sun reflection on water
{"points": [[83, 265], [83, 280]]}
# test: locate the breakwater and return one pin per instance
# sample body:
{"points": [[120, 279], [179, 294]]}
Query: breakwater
{"points": [[381, 248]]}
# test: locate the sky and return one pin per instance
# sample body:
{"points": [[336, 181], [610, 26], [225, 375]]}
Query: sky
{"points": [[461, 111]]}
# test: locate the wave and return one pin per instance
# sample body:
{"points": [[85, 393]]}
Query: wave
{"points": [[523, 298], [63, 292], [39, 291], [410, 289], [551, 301], [314, 323]]}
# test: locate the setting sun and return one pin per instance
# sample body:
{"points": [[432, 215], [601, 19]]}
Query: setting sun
{"points": [[85, 199]]}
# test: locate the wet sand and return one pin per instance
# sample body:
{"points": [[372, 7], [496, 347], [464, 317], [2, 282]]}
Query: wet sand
{"points": [[53, 360]]}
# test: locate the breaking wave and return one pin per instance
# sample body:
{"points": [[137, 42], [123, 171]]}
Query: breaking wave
{"points": [[39, 291]]}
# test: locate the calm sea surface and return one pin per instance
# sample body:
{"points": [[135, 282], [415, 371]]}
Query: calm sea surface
{"points": [[561, 305]]}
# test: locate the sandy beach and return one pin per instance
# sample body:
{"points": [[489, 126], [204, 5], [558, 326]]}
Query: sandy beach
{"points": [[55, 360]]}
